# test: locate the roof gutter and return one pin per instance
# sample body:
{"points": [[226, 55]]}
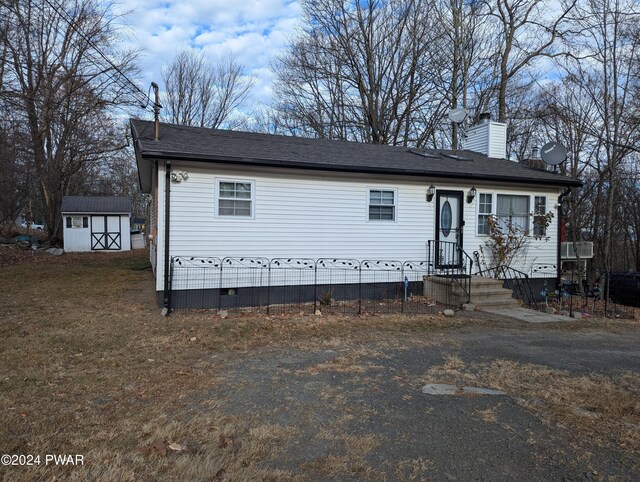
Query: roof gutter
{"points": [[243, 161]]}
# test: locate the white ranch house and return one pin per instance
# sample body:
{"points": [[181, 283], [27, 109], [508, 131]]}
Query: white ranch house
{"points": [[227, 194]]}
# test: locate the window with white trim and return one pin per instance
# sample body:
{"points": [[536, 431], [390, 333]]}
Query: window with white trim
{"points": [[540, 208], [382, 205], [235, 198], [485, 206], [512, 210], [77, 222]]}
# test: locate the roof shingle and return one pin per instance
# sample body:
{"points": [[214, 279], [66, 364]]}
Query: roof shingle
{"points": [[96, 204], [248, 148]]}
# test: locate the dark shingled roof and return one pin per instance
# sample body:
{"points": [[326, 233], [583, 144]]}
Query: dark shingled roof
{"points": [[247, 148], [96, 204]]}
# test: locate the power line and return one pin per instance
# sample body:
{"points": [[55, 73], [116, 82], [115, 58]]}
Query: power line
{"points": [[140, 94]]}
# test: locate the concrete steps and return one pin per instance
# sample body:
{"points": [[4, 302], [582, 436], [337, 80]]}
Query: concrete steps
{"points": [[489, 293], [486, 293]]}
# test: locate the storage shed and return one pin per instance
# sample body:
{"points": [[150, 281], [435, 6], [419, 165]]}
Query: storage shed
{"points": [[96, 223]]}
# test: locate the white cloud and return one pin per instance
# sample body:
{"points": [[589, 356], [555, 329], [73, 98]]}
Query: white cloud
{"points": [[255, 32]]}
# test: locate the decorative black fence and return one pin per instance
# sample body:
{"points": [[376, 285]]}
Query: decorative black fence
{"points": [[614, 295], [300, 285]]}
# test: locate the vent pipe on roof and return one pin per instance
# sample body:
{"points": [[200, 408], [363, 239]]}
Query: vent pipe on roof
{"points": [[534, 160], [535, 152], [484, 118]]}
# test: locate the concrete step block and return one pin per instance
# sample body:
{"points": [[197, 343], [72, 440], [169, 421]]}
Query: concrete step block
{"points": [[510, 303]]}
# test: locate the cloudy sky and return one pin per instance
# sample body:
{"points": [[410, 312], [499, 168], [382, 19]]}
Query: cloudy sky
{"points": [[254, 31]]}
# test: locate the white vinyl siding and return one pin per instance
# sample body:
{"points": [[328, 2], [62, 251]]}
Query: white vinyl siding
{"points": [[306, 214], [485, 208], [298, 214], [512, 210], [489, 138], [235, 198], [382, 205]]}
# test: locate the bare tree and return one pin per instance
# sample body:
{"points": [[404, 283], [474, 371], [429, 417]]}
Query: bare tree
{"points": [[200, 93], [628, 212], [387, 71], [464, 56], [14, 173], [565, 113], [610, 31], [363, 71], [58, 83], [594, 111], [525, 31]]}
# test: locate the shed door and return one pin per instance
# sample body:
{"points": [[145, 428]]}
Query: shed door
{"points": [[449, 226], [105, 233]]}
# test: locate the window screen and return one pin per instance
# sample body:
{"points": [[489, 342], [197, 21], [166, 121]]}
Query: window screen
{"points": [[540, 208], [484, 211], [382, 205], [235, 198]]}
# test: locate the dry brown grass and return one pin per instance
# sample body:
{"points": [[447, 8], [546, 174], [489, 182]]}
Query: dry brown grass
{"points": [[88, 366], [488, 414], [351, 362], [352, 460], [602, 409], [413, 469]]}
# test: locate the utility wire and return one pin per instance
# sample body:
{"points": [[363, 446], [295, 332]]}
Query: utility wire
{"points": [[140, 94]]}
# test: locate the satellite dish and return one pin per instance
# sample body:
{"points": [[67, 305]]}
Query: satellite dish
{"points": [[553, 153], [457, 115]]}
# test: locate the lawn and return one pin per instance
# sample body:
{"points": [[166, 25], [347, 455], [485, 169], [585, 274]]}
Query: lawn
{"points": [[89, 367]]}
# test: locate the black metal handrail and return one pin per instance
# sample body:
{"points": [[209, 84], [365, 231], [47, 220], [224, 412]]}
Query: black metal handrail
{"points": [[448, 259], [515, 280]]}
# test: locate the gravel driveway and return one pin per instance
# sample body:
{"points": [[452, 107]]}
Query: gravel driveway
{"points": [[357, 411]]}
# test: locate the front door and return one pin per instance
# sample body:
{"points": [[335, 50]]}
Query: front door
{"points": [[105, 233], [449, 224]]}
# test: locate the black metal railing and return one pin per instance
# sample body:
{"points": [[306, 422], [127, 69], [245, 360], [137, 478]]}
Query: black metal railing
{"points": [[302, 285], [448, 259], [517, 281]]}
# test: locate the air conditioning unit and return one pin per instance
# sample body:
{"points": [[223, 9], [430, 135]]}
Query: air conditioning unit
{"points": [[584, 250]]}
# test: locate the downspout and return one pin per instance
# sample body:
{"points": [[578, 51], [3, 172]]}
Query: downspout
{"points": [[167, 197], [559, 246]]}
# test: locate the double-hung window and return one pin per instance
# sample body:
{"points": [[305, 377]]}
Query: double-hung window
{"points": [[512, 211], [485, 206], [382, 205], [540, 208], [235, 198]]}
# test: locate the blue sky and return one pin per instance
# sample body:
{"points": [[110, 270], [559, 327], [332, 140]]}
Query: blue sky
{"points": [[254, 31]]}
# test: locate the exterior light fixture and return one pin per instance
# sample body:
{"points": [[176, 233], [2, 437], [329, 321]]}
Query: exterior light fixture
{"points": [[179, 176], [431, 192], [471, 194]]}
